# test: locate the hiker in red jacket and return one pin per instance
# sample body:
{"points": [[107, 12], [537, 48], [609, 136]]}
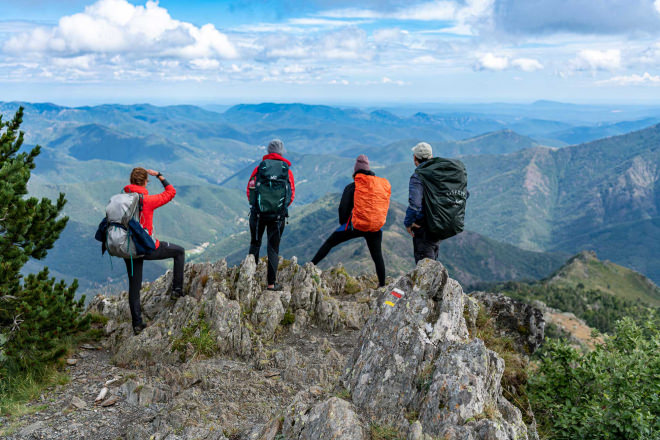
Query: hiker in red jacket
{"points": [[270, 191], [164, 250]]}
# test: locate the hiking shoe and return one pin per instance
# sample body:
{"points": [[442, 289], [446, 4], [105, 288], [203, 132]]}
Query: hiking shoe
{"points": [[276, 286], [137, 329], [176, 294]]}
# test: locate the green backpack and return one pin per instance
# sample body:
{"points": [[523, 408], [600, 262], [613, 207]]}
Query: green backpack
{"points": [[445, 196], [272, 193]]}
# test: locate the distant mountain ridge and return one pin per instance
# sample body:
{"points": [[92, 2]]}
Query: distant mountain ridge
{"points": [[587, 270], [601, 195]]}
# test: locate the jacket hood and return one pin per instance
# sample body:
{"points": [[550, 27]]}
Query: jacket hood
{"points": [[136, 189], [275, 156]]}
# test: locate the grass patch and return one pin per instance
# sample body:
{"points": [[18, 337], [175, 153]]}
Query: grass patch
{"points": [[412, 416], [288, 318], [425, 378], [97, 318], [378, 432], [197, 337], [20, 388], [515, 376], [343, 394]]}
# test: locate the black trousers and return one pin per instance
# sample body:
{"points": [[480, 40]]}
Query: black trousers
{"points": [[164, 251], [423, 247], [274, 229], [374, 241]]}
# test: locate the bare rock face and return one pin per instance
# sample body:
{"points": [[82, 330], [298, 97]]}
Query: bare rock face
{"points": [[415, 361], [403, 356], [333, 419], [232, 304]]}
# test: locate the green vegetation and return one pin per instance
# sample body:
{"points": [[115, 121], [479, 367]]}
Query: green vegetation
{"points": [[586, 270], [197, 337], [288, 318], [609, 393], [515, 376], [38, 316], [598, 309], [379, 432]]}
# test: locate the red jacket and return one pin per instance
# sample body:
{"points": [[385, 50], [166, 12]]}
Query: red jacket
{"points": [[149, 203], [253, 176]]}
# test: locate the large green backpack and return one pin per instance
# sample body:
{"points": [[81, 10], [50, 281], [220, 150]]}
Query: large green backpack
{"points": [[445, 196], [272, 193]]}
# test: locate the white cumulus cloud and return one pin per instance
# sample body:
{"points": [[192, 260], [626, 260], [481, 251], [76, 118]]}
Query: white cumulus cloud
{"points": [[117, 26], [591, 59], [490, 61], [634, 79], [527, 64]]}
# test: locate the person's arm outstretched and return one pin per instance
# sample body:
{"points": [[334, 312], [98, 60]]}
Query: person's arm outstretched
{"points": [[167, 195]]}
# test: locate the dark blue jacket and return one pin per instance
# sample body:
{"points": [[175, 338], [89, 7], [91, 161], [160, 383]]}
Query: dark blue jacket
{"points": [[143, 242], [415, 211]]}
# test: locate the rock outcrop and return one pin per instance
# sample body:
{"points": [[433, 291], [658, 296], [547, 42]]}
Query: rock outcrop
{"points": [[328, 357], [524, 323], [415, 362]]}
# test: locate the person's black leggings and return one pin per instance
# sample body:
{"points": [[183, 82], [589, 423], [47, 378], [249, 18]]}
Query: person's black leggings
{"points": [[164, 251], [374, 241], [274, 228]]}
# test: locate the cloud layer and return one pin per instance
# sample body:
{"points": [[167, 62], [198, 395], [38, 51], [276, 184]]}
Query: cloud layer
{"points": [[380, 44], [118, 27]]}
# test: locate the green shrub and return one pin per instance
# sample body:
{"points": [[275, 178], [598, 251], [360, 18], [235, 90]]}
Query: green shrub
{"points": [[379, 432], [612, 392], [197, 336], [597, 308], [288, 318]]}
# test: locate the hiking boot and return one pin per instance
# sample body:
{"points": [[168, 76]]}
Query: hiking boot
{"points": [[137, 329], [276, 286], [176, 294]]}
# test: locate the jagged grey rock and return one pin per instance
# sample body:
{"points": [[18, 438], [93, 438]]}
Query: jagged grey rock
{"points": [[268, 313], [414, 366], [415, 357], [332, 419], [521, 321]]}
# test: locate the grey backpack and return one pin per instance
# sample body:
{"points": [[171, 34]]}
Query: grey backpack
{"points": [[119, 211]]}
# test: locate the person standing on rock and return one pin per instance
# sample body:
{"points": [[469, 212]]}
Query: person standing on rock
{"points": [[437, 195], [362, 213], [270, 191], [164, 250], [423, 246]]}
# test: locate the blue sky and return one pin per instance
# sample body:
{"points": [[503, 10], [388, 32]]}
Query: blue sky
{"points": [[353, 52]]}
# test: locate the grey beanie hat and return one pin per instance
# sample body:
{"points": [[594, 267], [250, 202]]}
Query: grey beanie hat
{"points": [[422, 151], [361, 163], [276, 146]]}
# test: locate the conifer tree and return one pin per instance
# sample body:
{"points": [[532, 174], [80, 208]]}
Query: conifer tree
{"points": [[36, 313]]}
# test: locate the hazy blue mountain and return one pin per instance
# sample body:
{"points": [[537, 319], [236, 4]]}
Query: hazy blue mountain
{"points": [[498, 142], [595, 195], [577, 135]]}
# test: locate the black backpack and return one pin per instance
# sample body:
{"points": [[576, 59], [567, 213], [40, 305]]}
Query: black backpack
{"points": [[272, 193], [445, 196]]}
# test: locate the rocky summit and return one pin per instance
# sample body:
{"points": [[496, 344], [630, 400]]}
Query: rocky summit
{"points": [[327, 357]]}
